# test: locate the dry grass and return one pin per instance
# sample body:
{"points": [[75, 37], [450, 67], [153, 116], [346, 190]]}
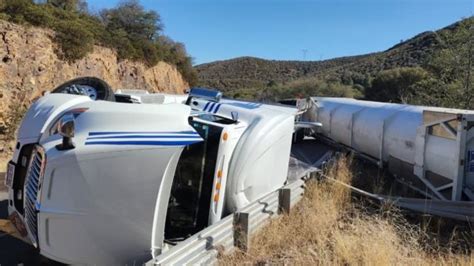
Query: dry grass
{"points": [[329, 227]]}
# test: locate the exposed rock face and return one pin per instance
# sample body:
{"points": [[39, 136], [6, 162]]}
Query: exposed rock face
{"points": [[29, 65]]}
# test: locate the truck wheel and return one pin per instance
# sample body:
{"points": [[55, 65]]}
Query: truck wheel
{"points": [[95, 88]]}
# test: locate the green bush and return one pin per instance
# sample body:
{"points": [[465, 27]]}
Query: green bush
{"points": [[15, 10], [395, 85], [38, 16], [75, 41], [4, 16]]}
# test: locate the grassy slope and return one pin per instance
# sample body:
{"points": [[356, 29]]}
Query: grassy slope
{"points": [[329, 227], [249, 72]]}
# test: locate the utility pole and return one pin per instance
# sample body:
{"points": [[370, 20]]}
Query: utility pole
{"points": [[304, 51]]}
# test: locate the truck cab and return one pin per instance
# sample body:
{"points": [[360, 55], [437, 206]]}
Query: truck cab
{"points": [[198, 189], [107, 182]]}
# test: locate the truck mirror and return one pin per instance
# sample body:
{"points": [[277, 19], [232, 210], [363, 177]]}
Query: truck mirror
{"points": [[66, 130], [235, 116]]}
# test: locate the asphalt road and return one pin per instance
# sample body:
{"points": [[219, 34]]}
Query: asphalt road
{"points": [[13, 250]]}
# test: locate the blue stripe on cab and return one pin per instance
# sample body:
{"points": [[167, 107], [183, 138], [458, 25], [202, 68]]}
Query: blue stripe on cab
{"points": [[142, 132], [212, 110], [138, 142], [147, 137], [211, 107]]}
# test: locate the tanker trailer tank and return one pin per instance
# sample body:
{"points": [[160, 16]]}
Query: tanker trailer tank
{"points": [[431, 148]]}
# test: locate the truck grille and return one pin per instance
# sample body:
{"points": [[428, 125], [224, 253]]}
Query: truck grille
{"points": [[32, 192]]}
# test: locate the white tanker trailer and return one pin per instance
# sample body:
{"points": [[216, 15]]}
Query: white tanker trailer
{"points": [[97, 179], [430, 149]]}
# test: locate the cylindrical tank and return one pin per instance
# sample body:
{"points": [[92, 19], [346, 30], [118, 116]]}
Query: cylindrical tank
{"points": [[377, 129], [405, 137]]}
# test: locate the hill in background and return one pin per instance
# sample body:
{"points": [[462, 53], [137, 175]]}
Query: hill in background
{"points": [[245, 72], [404, 73]]}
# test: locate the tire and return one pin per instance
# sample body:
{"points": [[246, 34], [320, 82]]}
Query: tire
{"points": [[104, 92]]}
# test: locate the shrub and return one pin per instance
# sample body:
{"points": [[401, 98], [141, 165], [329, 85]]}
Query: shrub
{"points": [[16, 9], [75, 41], [395, 85], [70, 5], [38, 16], [4, 16], [133, 19]]}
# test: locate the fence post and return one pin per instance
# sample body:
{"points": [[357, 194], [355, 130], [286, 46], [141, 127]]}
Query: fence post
{"points": [[284, 200], [241, 231]]}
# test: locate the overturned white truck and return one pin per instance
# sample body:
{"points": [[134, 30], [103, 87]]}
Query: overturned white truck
{"points": [[96, 179]]}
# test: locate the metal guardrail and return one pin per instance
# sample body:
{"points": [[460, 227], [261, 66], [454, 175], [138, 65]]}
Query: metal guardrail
{"points": [[234, 230]]}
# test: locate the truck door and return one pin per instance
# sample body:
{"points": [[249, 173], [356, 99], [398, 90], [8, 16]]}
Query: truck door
{"points": [[188, 207], [198, 190]]}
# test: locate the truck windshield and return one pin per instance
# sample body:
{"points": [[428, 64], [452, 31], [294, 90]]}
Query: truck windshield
{"points": [[189, 204]]}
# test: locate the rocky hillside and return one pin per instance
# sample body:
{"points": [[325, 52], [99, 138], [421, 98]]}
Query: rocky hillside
{"points": [[249, 72], [29, 65]]}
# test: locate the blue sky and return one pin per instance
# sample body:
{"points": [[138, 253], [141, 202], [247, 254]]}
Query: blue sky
{"points": [[283, 29]]}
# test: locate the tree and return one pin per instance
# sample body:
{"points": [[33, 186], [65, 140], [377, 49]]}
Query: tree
{"points": [[75, 41], [453, 65], [15, 9], [69, 5], [395, 85], [131, 17]]}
